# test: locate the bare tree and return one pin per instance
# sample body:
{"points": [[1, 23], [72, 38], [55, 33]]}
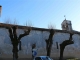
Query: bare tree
{"points": [[49, 42], [7, 21], [28, 23], [64, 44], [51, 26], [15, 39], [15, 22]]}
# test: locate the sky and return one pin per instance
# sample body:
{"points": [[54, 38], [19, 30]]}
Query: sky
{"points": [[41, 13]]}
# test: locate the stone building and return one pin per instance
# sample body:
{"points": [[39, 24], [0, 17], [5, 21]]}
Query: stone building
{"points": [[37, 36]]}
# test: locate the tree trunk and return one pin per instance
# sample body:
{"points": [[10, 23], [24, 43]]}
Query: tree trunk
{"points": [[16, 40], [61, 51], [62, 47], [15, 52], [49, 42], [49, 49]]}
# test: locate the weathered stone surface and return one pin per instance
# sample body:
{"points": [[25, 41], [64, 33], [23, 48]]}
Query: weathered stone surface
{"points": [[38, 38]]}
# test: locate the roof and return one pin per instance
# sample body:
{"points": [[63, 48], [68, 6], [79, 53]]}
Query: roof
{"points": [[3, 25], [65, 21]]}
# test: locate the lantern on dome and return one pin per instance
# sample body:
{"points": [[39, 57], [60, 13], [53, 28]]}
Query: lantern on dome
{"points": [[0, 9]]}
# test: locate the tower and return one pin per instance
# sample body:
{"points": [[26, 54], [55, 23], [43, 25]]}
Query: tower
{"points": [[66, 25]]}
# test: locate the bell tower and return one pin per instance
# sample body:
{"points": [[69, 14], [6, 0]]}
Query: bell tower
{"points": [[66, 25]]}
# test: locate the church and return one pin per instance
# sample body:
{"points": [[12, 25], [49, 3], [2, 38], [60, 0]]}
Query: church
{"points": [[38, 36]]}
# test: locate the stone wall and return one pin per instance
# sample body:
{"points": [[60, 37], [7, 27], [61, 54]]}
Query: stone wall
{"points": [[38, 38]]}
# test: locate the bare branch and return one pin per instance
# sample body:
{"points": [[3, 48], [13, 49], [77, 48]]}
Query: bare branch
{"points": [[51, 26], [10, 32], [7, 21], [15, 22], [29, 23], [25, 33]]}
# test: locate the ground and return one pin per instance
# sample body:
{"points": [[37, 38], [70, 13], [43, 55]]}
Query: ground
{"points": [[25, 57]]}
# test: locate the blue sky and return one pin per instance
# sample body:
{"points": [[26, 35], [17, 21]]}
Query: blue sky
{"points": [[41, 13]]}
